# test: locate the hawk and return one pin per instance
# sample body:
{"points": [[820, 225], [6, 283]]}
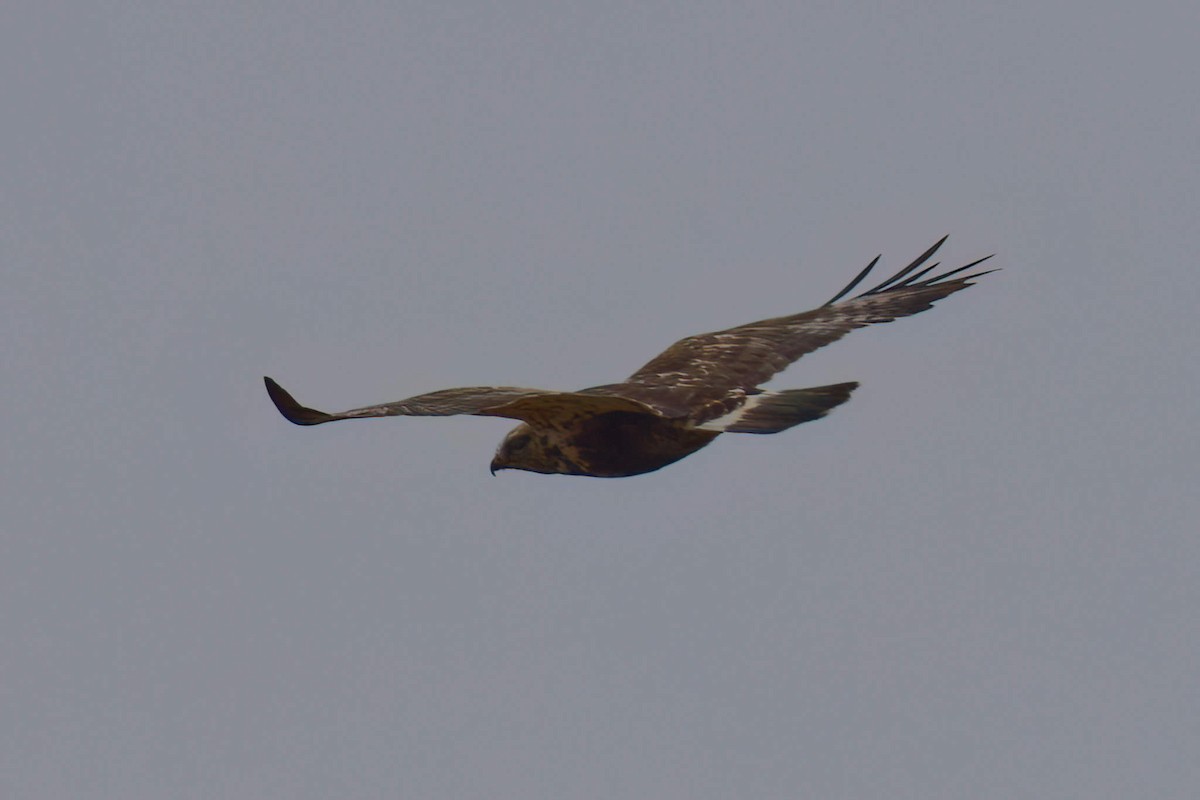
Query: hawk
{"points": [[688, 395]]}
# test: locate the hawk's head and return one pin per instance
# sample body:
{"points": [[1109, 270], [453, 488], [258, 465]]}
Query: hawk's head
{"points": [[535, 451]]}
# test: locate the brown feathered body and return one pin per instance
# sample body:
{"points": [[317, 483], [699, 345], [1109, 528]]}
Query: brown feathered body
{"points": [[612, 445]]}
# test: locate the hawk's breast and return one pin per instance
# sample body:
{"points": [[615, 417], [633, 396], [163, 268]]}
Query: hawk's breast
{"points": [[620, 443]]}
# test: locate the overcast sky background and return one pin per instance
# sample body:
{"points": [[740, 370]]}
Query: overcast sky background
{"points": [[980, 578]]}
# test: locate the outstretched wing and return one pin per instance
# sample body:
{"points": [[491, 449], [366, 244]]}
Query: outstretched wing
{"points": [[535, 406], [710, 366]]}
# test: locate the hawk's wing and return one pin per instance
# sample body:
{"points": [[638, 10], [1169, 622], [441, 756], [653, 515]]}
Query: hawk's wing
{"points": [[536, 406], [709, 367]]}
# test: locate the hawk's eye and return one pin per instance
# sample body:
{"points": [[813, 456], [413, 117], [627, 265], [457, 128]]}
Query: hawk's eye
{"points": [[519, 443]]}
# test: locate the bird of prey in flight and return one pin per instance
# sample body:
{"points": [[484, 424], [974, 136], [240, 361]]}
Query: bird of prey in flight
{"points": [[688, 395]]}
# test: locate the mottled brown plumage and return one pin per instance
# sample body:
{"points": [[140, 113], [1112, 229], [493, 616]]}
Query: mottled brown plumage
{"points": [[683, 398]]}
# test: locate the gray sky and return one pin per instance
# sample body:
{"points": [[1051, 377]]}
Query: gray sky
{"points": [[977, 579]]}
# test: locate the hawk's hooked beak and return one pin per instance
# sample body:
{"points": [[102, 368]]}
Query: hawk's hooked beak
{"points": [[496, 465]]}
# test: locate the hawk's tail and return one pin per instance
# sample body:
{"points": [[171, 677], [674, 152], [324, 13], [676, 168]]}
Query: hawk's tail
{"points": [[772, 412]]}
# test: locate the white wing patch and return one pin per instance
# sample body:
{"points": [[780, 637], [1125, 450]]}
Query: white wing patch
{"points": [[735, 416]]}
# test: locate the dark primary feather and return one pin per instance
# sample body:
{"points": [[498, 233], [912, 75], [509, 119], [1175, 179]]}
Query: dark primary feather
{"points": [[918, 261]]}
